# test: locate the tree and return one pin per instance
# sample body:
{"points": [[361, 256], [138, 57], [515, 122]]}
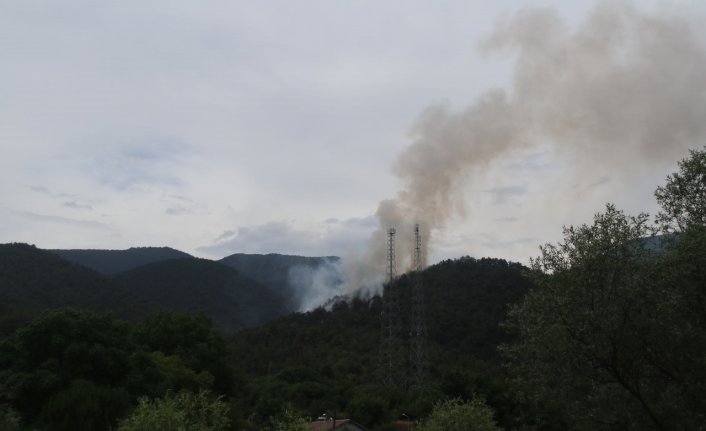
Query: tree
{"points": [[85, 406], [9, 419], [683, 197], [611, 337], [193, 339], [456, 415], [288, 421], [68, 369], [184, 411]]}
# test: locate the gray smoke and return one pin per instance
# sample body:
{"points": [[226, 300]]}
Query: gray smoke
{"points": [[625, 89], [316, 284]]}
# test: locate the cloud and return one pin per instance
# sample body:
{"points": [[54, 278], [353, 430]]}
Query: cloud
{"points": [[505, 219], [178, 210], [332, 237], [44, 218], [494, 244], [502, 194], [39, 189], [226, 235], [76, 205], [128, 162], [600, 181]]}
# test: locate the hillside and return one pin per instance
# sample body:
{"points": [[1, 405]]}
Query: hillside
{"points": [[281, 273], [337, 353], [115, 261], [32, 280], [231, 299]]}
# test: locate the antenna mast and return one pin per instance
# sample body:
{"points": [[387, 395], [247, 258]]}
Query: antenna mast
{"points": [[419, 328], [390, 325], [391, 270]]}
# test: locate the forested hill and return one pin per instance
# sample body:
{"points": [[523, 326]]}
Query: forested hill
{"points": [[337, 352], [231, 299], [275, 270], [32, 280], [115, 261]]}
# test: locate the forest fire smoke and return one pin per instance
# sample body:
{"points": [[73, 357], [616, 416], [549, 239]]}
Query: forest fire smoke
{"points": [[625, 82]]}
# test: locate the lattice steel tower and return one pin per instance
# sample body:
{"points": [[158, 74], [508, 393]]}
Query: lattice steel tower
{"points": [[418, 333], [391, 270], [390, 326]]}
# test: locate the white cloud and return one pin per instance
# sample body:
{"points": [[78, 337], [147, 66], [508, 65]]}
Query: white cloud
{"points": [[332, 237]]}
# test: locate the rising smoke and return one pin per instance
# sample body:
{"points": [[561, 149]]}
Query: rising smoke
{"points": [[315, 283], [626, 88]]}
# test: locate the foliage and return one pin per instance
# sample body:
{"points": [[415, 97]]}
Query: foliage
{"points": [[184, 411], [85, 406], [683, 197], [47, 356], [76, 370], [9, 418], [288, 420], [611, 335], [456, 415], [194, 340]]}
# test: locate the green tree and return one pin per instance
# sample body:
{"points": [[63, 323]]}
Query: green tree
{"points": [[9, 418], [85, 406], [368, 409], [193, 339], [683, 197], [611, 337], [456, 415], [184, 411], [63, 358], [288, 420]]}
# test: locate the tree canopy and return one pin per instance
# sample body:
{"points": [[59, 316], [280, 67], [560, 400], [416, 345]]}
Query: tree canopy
{"points": [[613, 336], [683, 197]]}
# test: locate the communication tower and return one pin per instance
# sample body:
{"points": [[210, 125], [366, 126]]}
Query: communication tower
{"points": [[390, 320], [418, 333]]}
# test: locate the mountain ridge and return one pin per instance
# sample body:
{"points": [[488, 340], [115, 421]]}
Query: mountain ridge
{"points": [[106, 261], [232, 300]]}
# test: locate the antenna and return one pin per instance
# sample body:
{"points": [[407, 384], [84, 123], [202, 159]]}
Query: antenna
{"points": [[418, 332], [391, 270], [390, 319]]}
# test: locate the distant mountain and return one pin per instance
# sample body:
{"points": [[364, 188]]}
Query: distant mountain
{"points": [[238, 292], [281, 273], [115, 261], [233, 300], [32, 280]]}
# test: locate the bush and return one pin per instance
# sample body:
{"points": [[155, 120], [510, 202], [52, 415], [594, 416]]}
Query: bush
{"points": [[185, 411], [456, 415]]}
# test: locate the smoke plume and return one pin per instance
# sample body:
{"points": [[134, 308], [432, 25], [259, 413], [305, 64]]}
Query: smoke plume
{"points": [[625, 87]]}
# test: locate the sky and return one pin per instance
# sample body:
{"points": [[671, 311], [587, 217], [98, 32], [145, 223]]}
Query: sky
{"points": [[218, 127]]}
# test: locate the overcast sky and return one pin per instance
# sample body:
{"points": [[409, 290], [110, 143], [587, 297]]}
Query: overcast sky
{"points": [[217, 127]]}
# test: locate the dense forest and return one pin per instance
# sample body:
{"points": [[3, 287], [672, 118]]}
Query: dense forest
{"points": [[604, 330]]}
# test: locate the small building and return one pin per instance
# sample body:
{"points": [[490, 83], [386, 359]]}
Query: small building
{"points": [[326, 424]]}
